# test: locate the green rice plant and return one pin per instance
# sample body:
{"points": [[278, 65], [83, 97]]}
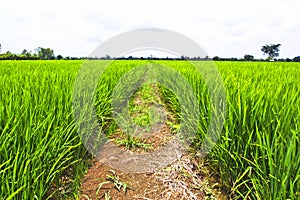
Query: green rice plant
{"points": [[257, 155], [39, 142], [40, 147]]}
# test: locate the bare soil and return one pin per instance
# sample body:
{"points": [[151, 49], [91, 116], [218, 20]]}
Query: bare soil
{"points": [[186, 178]]}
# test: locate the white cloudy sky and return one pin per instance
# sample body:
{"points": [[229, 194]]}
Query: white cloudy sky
{"points": [[228, 28]]}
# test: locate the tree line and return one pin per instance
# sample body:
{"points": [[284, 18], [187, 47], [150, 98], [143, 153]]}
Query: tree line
{"points": [[40, 53]]}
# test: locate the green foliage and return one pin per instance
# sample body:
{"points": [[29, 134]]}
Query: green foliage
{"points": [[142, 106], [115, 180], [257, 155], [38, 140], [45, 53], [42, 54], [131, 142]]}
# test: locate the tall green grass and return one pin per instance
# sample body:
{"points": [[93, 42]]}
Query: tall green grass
{"points": [[41, 153], [256, 157], [258, 154], [38, 139]]}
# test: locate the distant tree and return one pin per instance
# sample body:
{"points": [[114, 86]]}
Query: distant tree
{"points": [[288, 60], [45, 53], [59, 57], [296, 59], [9, 56], [232, 59], [271, 50], [248, 57], [216, 58], [0, 47], [26, 54]]}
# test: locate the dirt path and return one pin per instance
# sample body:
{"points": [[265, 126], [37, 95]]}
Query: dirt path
{"points": [[184, 178]]}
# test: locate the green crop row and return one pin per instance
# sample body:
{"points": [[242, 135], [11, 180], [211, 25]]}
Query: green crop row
{"points": [[257, 155], [38, 139]]}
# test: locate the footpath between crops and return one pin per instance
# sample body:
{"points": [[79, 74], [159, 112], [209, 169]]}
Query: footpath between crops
{"points": [[187, 177]]}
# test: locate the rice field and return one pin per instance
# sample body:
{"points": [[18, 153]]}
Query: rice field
{"points": [[43, 157]]}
